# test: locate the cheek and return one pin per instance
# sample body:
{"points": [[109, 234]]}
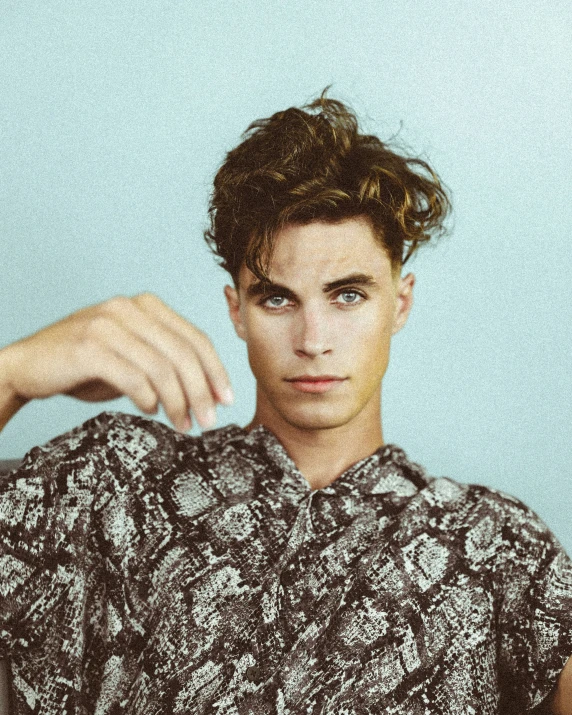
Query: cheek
{"points": [[366, 337], [266, 347], [369, 347]]}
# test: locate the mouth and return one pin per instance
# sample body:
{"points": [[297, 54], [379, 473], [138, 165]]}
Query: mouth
{"points": [[315, 383]]}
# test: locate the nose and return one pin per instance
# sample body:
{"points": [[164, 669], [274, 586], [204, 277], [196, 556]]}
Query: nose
{"points": [[312, 336]]}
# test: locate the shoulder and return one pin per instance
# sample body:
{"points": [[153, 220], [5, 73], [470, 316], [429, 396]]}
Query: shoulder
{"points": [[131, 437], [128, 451], [487, 525], [471, 503]]}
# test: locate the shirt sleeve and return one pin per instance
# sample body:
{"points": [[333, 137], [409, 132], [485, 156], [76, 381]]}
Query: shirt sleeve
{"points": [[535, 614], [80, 520], [46, 507]]}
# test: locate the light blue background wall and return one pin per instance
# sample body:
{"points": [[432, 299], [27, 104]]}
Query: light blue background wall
{"points": [[115, 116]]}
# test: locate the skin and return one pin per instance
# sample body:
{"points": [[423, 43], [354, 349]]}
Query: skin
{"points": [[138, 347], [305, 329], [141, 348], [562, 703]]}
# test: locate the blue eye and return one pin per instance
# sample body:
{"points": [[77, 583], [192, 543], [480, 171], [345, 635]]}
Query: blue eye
{"points": [[355, 297], [273, 301]]}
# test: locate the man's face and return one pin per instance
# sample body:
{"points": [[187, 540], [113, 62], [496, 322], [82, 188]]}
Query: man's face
{"points": [[330, 311]]}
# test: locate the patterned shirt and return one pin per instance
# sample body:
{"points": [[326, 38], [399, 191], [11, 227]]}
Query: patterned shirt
{"points": [[149, 572]]}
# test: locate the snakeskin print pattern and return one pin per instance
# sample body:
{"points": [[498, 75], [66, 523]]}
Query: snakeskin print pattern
{"points": [[148, 572]]}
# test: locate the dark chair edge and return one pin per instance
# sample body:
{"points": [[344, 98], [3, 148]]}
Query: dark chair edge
{"points": [[7, 465]]}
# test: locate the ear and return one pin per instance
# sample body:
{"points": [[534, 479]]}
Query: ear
{"points": [[403, 301], [233, 301]]}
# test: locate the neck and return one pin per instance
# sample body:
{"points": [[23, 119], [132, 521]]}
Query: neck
{"points": [[323, 454]]}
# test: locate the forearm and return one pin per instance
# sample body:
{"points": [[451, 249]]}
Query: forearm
{"points": [[10, 401]]}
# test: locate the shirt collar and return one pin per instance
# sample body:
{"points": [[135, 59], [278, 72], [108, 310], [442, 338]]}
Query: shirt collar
{"points": [[387, 471]]}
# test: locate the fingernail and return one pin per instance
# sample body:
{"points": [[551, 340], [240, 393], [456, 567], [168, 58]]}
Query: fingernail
{"points": [[227, 396], [208, 419], [186, 425]]}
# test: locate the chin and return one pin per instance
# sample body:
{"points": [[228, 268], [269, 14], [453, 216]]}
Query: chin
{"points": [[311, 418]]}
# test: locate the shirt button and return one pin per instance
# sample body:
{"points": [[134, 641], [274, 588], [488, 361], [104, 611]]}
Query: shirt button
{"points": [[254, 673], [286, 578]]}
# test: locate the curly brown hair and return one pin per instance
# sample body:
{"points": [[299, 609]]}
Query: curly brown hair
{"points": [[299, 166]]}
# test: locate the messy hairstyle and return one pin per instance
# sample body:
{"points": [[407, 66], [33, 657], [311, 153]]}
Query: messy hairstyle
{"points": [[312, 163]]}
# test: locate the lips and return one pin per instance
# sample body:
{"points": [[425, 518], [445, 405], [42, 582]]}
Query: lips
{"points": [[314, 378], [315, 383]]}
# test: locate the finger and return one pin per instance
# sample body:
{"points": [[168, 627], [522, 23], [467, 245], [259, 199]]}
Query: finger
{"points": [[200, 395], [123, 375], [180, 390], [216, 374], [159, 370], [181, 352]]}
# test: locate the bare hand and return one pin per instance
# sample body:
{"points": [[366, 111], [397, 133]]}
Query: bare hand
{"points": [[138, 347]]}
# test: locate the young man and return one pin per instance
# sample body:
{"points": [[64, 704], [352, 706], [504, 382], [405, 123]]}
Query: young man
{"points": [[299, 564]]}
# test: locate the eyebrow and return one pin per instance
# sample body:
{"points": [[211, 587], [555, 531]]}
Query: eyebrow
{"points": [[261, 288]]}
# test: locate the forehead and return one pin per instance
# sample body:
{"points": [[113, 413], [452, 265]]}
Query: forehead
{"points": [[324, 251]]}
